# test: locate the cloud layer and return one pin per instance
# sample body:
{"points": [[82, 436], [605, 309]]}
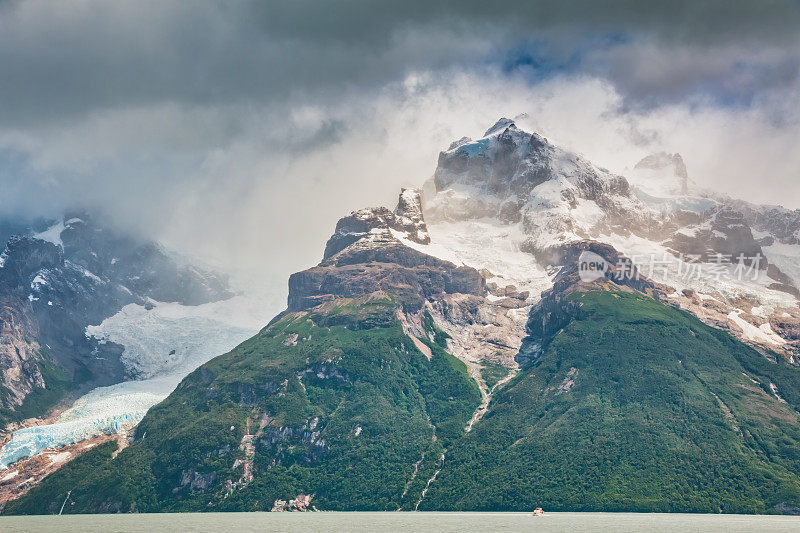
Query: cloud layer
{"points": [[241, 132]]}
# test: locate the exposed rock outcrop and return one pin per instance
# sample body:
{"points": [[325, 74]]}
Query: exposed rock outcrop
{"points": [[19, 351], [364, 256], [408, 216], [374, 226], [555, 310], [723, 231], [300, 504]]}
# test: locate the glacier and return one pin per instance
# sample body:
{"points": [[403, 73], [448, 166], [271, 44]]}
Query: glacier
{"points": [[162, 345]]}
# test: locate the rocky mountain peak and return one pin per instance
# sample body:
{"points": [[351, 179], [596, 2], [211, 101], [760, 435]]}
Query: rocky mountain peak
{"points": [[661, 160], [371, 224], [667, 166], [515, 176], [500, 125], [408, 216], [374, 226]]}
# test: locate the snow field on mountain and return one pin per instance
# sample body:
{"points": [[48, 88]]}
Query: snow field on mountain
{"points": [[787, 258], [169, 336], [671, 270], [52, 234], [762, 333], [486, 244]]}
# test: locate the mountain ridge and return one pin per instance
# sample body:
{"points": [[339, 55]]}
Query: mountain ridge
{"points": [[463, 317]]}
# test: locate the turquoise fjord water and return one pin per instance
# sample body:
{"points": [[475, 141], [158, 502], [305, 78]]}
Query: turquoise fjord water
{"points": [[395, 522]]}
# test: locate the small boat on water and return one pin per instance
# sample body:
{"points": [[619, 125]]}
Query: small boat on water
{"points": [[538, 511]]}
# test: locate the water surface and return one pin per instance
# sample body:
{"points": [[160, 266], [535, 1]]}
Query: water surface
{"points": [[398, 522]]}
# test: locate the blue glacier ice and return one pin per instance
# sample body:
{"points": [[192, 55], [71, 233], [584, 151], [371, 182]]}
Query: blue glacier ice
{"points": [[162, 345], [475, 147]]}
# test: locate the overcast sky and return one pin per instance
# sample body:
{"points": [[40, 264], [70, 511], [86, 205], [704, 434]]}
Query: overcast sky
{"points": [[241, 131]]}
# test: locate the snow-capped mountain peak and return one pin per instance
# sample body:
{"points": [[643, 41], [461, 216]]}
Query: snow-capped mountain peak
{"points": [[515, 176], [549, 199], [500, 125]]}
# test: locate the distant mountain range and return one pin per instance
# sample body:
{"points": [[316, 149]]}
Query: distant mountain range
{"points": [[526, 329]]}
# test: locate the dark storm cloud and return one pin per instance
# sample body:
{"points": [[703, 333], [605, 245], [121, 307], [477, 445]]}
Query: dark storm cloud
{"points": [[234, 129], [59, 60]]}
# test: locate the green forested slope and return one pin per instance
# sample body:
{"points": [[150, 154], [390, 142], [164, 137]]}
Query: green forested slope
{"points": [[635, 406], [349, 409]]}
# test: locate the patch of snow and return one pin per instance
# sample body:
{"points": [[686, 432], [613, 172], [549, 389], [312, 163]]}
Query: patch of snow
{"points": [[92, 276], [10, 475], [435, 249], [52, 234], [126, 289], [753, 333], [587, 213], [486, 244], [38, 281], [58, 458]]}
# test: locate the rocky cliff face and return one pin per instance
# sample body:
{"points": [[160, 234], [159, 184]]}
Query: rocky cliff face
{"points": [[782, 225], [720, 231], [364, 255], [19, 352]]}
